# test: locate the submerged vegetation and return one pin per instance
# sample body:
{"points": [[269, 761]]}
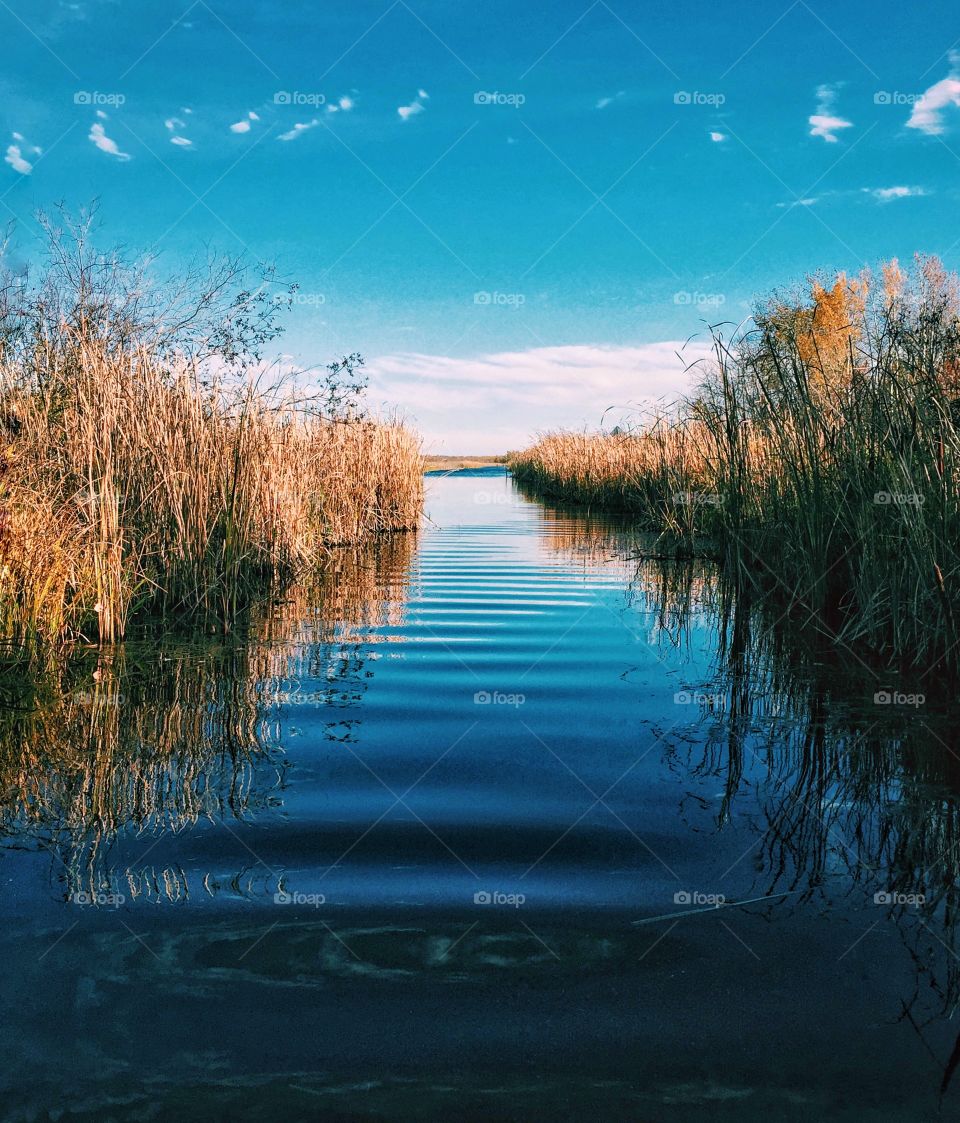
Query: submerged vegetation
{"points": [[817, 459], [151, 463]]}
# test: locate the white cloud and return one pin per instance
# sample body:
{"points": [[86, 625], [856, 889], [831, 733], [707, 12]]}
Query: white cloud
{"points": [[494, 402], [718, 138], [99, 137], [181, 141], [824, 123], [243, 125], [300, 127], [809, 202], [174, 123], [16, 160], [344, 103], [886, 194], [927, 113], [416, 106]]}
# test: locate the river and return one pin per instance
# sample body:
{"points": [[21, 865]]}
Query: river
{"points": [[496, 821]]}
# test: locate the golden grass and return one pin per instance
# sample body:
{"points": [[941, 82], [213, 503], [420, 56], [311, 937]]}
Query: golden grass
{"points": [[818, 459], [145, 474]]}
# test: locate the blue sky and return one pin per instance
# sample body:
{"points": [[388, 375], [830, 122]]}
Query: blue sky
{"points": [[516, 211]]}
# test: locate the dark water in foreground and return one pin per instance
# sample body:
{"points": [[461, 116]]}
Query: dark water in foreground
{"points": [[444, 837]]}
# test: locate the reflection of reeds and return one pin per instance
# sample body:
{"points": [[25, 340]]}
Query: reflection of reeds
{"points": [[161, 736], [846, 794]]}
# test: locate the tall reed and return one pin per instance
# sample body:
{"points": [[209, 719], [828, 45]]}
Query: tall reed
{"points": [[817, 457], [154, 469]]}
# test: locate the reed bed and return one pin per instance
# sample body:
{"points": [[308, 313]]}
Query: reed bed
{"points": [[817, 459], [151, 467]]}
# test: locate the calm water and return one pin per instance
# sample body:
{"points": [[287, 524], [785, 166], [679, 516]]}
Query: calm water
{"points": [[445, 836]]}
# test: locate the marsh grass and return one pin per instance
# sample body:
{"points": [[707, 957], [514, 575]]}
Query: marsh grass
{"points": [[817, 459], [152, 466]]}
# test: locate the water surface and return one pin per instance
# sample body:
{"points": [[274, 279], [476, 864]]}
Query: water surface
{"points": [[493, 822]]}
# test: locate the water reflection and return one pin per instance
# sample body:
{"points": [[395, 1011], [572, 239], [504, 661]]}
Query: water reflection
{"points": [[848, 772], [157, 737], [348, 750]]}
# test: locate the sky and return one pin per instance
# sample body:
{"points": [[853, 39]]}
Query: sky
{"points": [[523, 215]]}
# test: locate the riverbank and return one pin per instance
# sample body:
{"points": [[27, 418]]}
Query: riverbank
{"points": [[155, 472], [819, 452]]}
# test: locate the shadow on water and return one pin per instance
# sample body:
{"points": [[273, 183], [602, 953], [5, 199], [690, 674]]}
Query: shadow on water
{"points": [[558, 827]]}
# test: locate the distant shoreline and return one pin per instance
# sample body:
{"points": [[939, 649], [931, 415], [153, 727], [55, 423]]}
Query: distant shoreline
{"points": [[455, 463]]}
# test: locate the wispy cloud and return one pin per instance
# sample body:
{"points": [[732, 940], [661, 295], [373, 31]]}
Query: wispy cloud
{"points": [[416, 106], [299, 129], [825, 123], [605, 101], [888, 194], [243, 125], [718, 138], [100, 139], [927, 114]]}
